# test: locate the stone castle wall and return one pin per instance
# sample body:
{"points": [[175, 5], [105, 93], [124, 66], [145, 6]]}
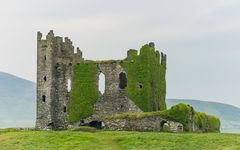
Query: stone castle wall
{"points": [[150, 123]]}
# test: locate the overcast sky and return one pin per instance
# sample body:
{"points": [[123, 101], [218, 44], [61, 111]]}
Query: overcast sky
{"points": [[201, 38]]}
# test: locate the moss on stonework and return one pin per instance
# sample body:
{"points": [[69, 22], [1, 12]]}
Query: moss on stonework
{"points": [[179, 113], [84, 91], [146, 79]]}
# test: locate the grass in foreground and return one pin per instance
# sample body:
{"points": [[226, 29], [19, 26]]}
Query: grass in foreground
{"points": [[116, 140]]}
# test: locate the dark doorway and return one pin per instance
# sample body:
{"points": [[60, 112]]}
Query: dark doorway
{"points": [[96, 124], [162, 123], [123, 80]]}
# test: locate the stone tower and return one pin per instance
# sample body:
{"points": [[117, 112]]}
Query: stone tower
{"points": [[54, 74]]}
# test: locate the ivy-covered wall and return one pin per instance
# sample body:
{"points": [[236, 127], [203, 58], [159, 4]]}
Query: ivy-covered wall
{"points": [[146, 84], [84, 91], [146, 79]]}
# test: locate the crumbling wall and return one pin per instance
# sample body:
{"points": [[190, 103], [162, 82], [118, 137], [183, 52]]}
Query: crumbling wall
{"points": [[148, 123], [114, 99], [87, 101], [191, 120]]}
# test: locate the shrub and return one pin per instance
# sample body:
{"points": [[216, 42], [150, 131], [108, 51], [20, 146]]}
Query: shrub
{"points": [[179, 113], [214, 124], [200, 120]]}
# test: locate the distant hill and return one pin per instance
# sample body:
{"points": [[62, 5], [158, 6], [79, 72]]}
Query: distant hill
{"points": [[17, 101], [18, 105], [228, 114]]}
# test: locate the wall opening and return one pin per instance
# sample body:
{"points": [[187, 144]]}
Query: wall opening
{"points": [[45, 57], [122, 80], [45, 78], [96, 124], [162, 124], [44, 98], [101, 83], [180, 128], [140, 85], [69, 85], [64, 109]]}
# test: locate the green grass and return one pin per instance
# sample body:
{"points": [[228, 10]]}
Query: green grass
{"points": [[106, 140]]}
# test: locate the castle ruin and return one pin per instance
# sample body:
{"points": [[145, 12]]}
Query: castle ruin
{"points": [[68, 93], [67, 84]]}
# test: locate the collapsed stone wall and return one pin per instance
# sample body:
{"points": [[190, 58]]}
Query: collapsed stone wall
{"points": [[149, 123], [178, 118]]}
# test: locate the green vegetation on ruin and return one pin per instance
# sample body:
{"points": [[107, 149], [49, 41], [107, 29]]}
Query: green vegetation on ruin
{"points": [[144, 70], [214, 123], [106, 140], [179, 113], [84, 92], [146, 79]]}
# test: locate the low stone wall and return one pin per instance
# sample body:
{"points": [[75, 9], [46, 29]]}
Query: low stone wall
{"points": [[151, 123]]}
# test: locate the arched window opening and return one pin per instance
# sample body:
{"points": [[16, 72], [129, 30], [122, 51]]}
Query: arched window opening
{"points": [[101, 83], [64, 109], [44, 98], [69, 85], [122, 80]]}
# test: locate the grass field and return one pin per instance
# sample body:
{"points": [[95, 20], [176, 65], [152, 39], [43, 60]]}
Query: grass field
{"points": [[32, 140]]}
